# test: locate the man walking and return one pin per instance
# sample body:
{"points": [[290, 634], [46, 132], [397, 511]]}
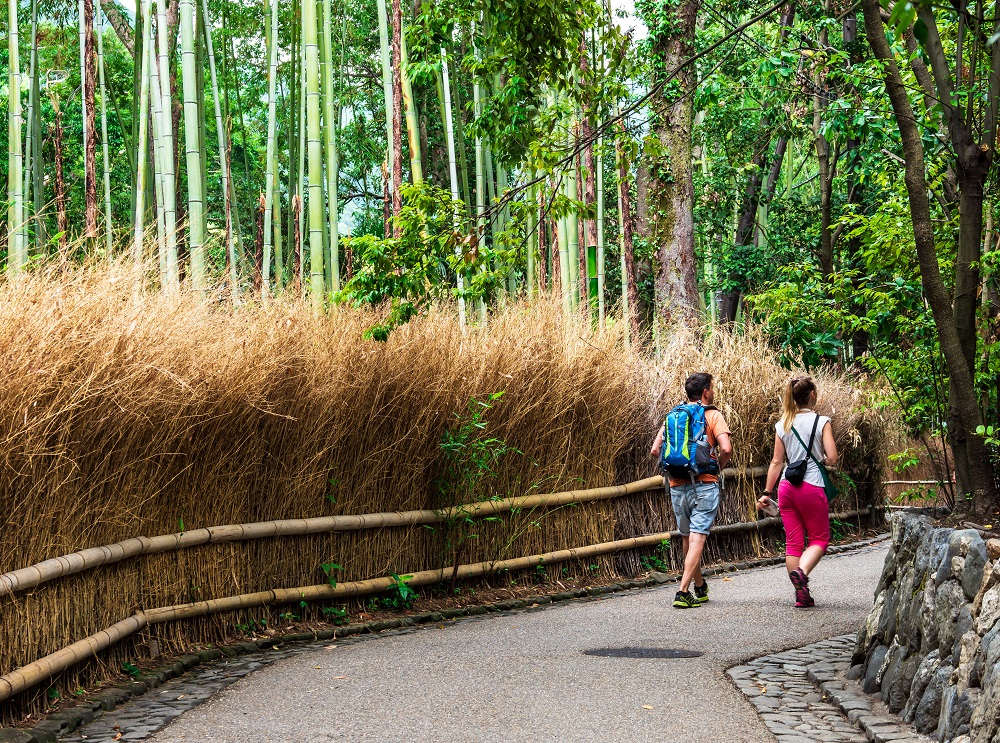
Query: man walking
{"points": [[697, 449]]}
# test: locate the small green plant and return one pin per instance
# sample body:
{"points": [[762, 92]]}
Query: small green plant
{"points": [[400, 596], [79, 691], [328, 569], [593, 568], [840, 529], [336, 614], [131, 669], [288, 617], [657, 561], [180, 524], [52, 695], [541, 575], [334, 483], [904, 460]]}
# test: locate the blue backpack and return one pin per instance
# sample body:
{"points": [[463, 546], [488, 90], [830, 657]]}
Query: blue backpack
{"points": [[686, 451]]}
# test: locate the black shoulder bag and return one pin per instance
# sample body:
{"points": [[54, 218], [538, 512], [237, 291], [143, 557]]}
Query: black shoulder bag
{"points": [[795, 472]]}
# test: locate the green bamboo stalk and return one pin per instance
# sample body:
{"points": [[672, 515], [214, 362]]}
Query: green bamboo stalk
{"points": [[16, 244], [222, 134], [137, 56], [29, 124], [412, 120], [626, 310], [310, 29], [330, 134], [573, 240], [532, 242], [601, 302], [460, 138], [453, 174], [142, 138], [300, 181], [159, 145], [169, 207], [477, 105], [383, 38], [82, 33], [271, 174], [108, 222], [192, 146]]}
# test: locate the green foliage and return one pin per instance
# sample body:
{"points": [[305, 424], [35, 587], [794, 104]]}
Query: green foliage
{"points": [[336, 614], [131, 669], [470, 456], [400, 596], [329, 568], [657, 561]]}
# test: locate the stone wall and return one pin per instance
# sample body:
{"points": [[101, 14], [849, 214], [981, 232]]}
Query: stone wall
{"points": [[931, 645]]}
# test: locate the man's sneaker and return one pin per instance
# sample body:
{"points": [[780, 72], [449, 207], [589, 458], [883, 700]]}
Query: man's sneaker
{"points": [[803, 600], [686, 600], [701, 593]]}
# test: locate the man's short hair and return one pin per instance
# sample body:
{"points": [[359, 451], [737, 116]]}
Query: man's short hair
{"points": [[696, 385]]}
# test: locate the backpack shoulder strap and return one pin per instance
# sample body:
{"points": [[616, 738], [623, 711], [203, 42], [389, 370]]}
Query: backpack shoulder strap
{"points": [[812, 437]]}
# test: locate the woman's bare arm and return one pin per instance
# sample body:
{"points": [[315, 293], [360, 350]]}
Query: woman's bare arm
{"points": [[829, 445], [774, 469]]}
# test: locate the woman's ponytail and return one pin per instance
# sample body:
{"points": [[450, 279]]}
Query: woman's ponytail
{"points": [[797, 393]]}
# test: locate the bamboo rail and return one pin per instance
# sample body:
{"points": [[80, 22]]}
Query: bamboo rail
{"points": [[27, 676], [108, 554]]}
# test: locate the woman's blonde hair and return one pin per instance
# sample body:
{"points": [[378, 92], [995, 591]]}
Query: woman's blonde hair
{"points": [[797, 393]]}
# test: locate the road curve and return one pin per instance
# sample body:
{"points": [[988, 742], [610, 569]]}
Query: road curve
{"points": [[524, 676]]}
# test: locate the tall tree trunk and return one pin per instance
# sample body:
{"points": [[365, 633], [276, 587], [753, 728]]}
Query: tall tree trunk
{"points": [[89, 82], [62, 220], [397, 115], [965, 410], [671, 186]]}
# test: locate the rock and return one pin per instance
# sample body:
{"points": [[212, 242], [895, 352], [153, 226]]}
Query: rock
{"points": [[925, 672], [928, 709], [885, 631], [972, 568], [873, 670], [867, 636], [969, 671], [898, 692], [993, 549], [949, 602], [888, 572], [956, 712], [962, 625], [989, 610], [985, 723], [855, 672], [928, 627], [891, 668]]}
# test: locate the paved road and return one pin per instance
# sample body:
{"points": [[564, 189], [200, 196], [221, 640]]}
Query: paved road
{"points": [[524, 677]]}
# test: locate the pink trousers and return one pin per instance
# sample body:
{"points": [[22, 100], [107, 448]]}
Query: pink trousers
{"points": [[804, 513]]}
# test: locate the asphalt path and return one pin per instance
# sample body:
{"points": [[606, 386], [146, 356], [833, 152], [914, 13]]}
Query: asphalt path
{"points": [[524, 676]]}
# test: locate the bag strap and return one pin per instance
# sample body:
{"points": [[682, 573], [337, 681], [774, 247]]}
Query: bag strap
{"points": [[812, 436]]}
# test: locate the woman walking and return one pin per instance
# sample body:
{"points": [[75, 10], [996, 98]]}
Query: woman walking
{"points": [[806, 439]]}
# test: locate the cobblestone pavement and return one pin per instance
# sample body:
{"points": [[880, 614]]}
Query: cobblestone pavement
{"points": [[147, 714], [803, 697]]}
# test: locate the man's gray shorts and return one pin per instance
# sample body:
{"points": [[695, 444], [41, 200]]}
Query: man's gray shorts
{"points": [[695, 506]]}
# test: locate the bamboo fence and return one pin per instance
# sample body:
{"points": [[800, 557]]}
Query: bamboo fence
{"points": [[34, 673]]}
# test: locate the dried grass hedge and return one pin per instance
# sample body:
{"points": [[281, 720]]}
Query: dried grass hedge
{"points": [[124, 416]]}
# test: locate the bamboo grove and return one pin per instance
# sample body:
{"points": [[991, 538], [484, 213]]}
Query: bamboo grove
{"points": [[192, 223], [688, 163]]}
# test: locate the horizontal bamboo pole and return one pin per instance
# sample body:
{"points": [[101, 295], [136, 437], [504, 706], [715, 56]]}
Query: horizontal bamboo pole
{"points": [[86, 559], [34, 673]]}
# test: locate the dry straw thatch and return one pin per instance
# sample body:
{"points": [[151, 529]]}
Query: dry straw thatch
{"points": [[123, 417]]}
